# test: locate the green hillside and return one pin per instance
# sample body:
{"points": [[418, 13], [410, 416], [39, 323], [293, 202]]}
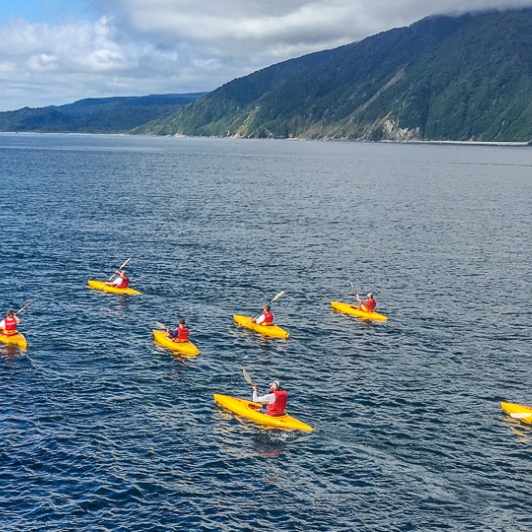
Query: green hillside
{"points": [[95, 115], [442, 78]]}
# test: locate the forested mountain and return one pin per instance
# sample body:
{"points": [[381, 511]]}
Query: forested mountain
{"points": [[443, 78], [95, 115]]}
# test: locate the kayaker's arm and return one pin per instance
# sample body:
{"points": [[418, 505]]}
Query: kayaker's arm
{"points": [[266, 399]]}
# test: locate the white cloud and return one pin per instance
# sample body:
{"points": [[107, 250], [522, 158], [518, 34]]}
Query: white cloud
{"points": [[221, 24], [80, 47], [136, 47], [42, 63], [45, 64]]}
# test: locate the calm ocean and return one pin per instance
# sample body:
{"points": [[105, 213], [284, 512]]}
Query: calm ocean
{"points": [[101, 430]]}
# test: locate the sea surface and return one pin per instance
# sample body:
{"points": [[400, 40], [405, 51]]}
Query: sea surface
{"points": [[102, 430]]}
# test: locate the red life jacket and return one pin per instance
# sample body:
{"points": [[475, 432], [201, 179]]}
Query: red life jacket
{"points": [[124, 283], [277, 408], [182, 334], [369, 304], [268, 318], [10, 326]]}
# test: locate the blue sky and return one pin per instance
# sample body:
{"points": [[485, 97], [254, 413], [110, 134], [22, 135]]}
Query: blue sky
{"points": [[45, 10], [54, 52]]}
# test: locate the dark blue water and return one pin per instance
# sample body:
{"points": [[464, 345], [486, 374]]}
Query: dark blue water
{"points": [[102, 431]]}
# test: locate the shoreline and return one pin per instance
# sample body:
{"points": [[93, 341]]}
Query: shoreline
{"points": [[291, 139]]}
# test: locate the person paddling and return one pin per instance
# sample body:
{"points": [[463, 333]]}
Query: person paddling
{"points": [[275, 399], [369, 304], [8, 326], [266, 318], [122, 281], [180, 334]]}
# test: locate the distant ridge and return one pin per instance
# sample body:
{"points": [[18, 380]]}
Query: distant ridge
{"points": [[457, 78], [95, 115]]}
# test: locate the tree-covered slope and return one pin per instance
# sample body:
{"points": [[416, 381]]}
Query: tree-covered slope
{"points": [[95, 115], [442, 78]]}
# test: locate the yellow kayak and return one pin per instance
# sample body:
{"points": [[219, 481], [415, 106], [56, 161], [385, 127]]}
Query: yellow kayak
{"points": [[270, 330], [354, 310], [521, 412], [100, 285], [186, 348], [14, 339], [247, 409]]}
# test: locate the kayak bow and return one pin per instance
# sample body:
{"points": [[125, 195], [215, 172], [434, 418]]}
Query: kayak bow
{"points": [[522, 412]]}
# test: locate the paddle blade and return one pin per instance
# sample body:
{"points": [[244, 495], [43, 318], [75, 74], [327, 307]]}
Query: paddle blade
{"points": [[354, 288], [277, 296], [160, 325], [247, 377]]}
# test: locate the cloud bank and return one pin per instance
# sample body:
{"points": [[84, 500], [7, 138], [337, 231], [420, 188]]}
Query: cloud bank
{"points": [[139, 47]]}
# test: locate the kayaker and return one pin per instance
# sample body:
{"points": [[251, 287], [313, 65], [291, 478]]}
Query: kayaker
{"points": [[180, 334], [275, 400], [369, 304], [122, 281], [8, 325], [266, 318]]}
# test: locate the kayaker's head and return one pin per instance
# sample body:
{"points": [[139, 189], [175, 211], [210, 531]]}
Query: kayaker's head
{"points": [[10, 314], [275, 385], [370, 295], [267, 308], [182, 322]]}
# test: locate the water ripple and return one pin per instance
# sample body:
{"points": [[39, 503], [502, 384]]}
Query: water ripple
{"points": [[103, 430]]}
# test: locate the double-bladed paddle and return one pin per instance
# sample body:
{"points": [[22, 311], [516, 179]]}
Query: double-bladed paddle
{"points": [[273, 300], [24, 307], [118, 269]]}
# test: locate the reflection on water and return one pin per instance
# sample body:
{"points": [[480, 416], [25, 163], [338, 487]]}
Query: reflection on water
{"points": [[10, 350], [270, 449]]}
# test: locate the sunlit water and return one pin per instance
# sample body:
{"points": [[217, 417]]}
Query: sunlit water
{"points": [[101, 430]]}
